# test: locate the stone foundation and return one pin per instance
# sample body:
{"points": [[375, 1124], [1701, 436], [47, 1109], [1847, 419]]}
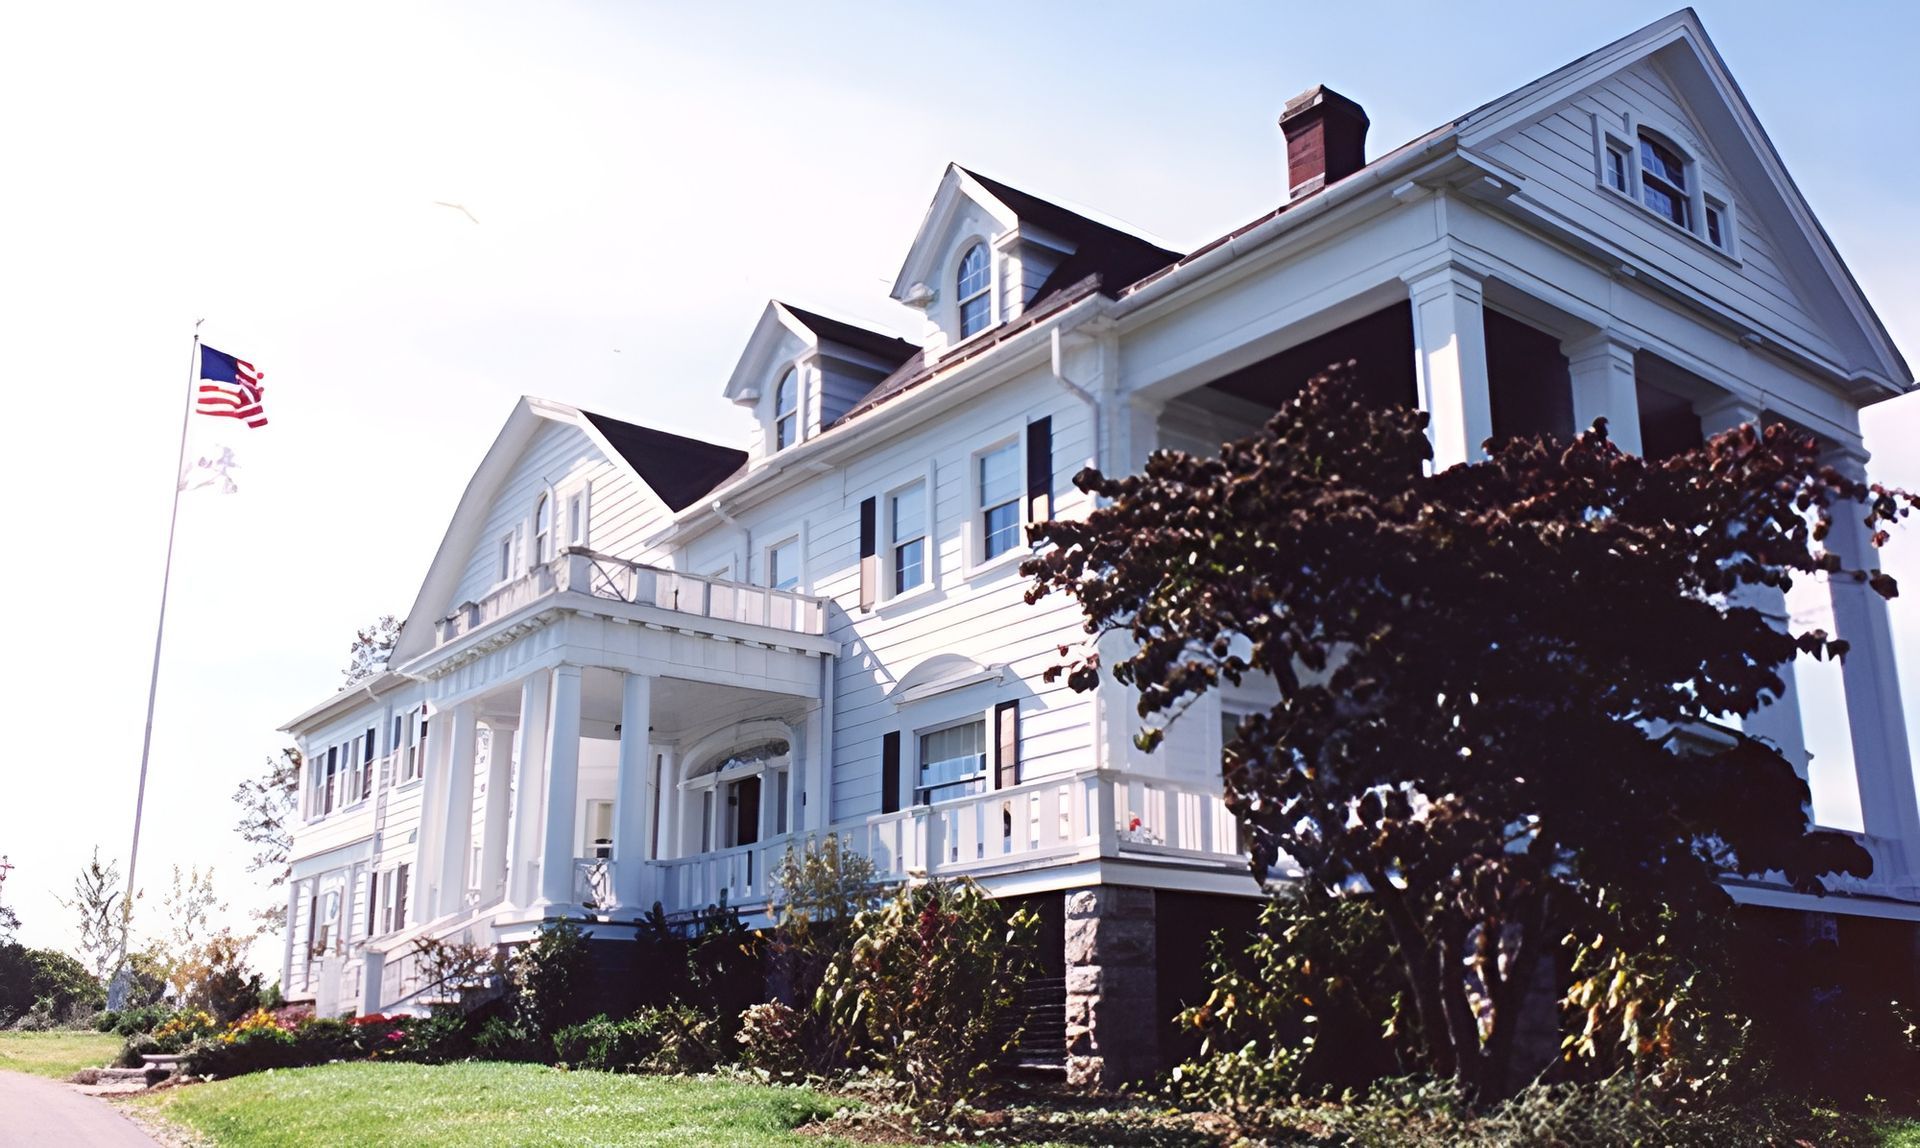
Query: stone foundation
{"points": [[1113, 1021]]}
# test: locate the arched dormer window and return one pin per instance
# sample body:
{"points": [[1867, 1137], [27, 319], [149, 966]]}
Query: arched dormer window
{"points": [[543, 529], [974, 290], [786, 410], [1664, 180]]}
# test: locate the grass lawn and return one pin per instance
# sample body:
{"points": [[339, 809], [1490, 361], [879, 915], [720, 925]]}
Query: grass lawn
{"points": [[484, 1103], [56, 1054]]}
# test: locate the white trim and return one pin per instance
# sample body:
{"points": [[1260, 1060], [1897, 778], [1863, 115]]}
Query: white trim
{"points": [[797, 539], [579, 533], [974, 544], [930, 560], [919, 693]]}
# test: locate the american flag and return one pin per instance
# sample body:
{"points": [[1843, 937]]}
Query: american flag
{"points": [[230, 388]]}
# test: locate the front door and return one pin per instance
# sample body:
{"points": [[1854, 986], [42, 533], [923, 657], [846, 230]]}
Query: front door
{"points": [[746, 811]]}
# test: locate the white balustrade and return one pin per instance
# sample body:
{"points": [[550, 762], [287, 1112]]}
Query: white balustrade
{"points": [[593, 882]]}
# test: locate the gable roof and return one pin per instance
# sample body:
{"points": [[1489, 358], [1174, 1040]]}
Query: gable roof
{"points": [[1116, 256], [678, 469], [675, 469], [890, 349]]}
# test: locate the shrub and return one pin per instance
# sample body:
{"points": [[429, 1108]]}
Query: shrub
{"points": [[443, 1035], [498, 1038], [607, 1045], [216, 977], [184, 1028], [932, 972], [547, 978], [687, 1039], [819, 890], [771, 1038]]}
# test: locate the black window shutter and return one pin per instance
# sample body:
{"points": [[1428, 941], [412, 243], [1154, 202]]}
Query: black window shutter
{"points": [[890, 772], [1040, 470], [400, 896], [869, 546], [373, 904], [1006, 738]]}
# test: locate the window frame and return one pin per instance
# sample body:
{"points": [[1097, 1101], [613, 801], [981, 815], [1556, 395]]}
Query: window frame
{"points": [[792, 373], [504, 552], [1697, 194], [978, 561], [916, 772], [984, 293], [579, 505], [543, 536], [929, 539], [767, 552]]}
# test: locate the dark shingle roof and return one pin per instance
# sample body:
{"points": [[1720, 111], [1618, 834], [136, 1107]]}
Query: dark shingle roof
{"points": [[891, 350], [1117, 257], [680, 470]]}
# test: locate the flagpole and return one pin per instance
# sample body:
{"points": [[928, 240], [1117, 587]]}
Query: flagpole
{"points": [[159, 636]]}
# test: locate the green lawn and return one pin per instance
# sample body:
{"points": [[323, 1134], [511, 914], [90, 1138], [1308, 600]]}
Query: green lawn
{"points": [[56, 1054], [484, 1103]]}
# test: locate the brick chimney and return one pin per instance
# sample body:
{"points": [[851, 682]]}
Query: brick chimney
{"points": [[1326, 139]]}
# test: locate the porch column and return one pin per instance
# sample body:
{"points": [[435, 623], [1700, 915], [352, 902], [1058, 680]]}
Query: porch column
{"points": [[668, 842], [1450, 361], [1881, 765], [562, 805], [1601, 366], [492, 877], [456, 838], [293, 914], [632, 831], [529, 760], [1779, 721], [433, 810]]}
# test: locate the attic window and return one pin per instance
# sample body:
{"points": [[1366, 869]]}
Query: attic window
{"points": [[974, 290], [1663, 181], [786, 410]]}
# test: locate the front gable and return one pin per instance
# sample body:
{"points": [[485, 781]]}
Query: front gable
{"points": [[1746, 238]]}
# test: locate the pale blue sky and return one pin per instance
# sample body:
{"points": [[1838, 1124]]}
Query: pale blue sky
{"points": [[645, 178]]}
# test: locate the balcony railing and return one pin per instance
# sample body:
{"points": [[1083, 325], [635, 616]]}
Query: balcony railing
{"points": [[603, 576], [1075, 817]]}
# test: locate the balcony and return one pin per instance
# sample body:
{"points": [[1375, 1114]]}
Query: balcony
{"points": [[602, 576], [1090, 816]]}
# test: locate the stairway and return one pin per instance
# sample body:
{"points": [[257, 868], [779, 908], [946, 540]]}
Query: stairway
{"points": [[1042, 1012]]}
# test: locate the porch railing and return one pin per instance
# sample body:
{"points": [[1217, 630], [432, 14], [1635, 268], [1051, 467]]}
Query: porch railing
{"points": [[603, 576], [741, 875]]}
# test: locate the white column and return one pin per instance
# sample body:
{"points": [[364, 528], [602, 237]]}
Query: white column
{"points": [[1882, 767], [632, 805], [433, 810], [1779, 721], [669, 830], [1601, 367], [1450, 362], [492, 877], [456, 819], [293, 915], [529, 762], [563, 788]]}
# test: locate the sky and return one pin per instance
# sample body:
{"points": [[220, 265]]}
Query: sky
{"points": [[637, 180]]}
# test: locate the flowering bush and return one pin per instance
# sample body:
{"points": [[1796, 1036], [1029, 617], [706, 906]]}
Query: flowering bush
{"points": [[377, 1035]]}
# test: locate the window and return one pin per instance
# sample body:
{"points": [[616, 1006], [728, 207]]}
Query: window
{"points": [[333, 765], [599, 828], [953, 762], [506, 558], [1617, 167], [1663, 182], [974, 290], [783, 565], [416, 758], [786, 410], [543, 530], [907, 511], [577, 517], [998, 478]]}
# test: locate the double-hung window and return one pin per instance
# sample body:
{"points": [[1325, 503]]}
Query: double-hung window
{"points": [[973, 290], [953, 761], [505, 553], [577, 518], [543, 530], [786, 410], [1663, 182], [997, 486], [907, 513], [783, 565]]}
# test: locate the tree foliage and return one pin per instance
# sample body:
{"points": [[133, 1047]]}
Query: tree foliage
{"points": [[102, 923], [269, 807], [1488, 679], [371, 645]]}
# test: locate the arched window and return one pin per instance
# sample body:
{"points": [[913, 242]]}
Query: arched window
{"points": [[974, 290], [786, 410], [543, 529]]}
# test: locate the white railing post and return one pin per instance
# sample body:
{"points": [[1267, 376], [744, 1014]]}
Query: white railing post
{"points": [[1104, 816]]}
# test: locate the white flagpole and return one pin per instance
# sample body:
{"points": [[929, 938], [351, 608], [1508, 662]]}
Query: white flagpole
{"points": [[153, 681]]}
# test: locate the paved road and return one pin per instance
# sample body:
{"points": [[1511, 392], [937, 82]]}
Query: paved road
{"points": [[34, 1110]]}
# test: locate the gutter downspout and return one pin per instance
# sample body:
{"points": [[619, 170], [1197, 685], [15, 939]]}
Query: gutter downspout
{"points": [[746, 540]]}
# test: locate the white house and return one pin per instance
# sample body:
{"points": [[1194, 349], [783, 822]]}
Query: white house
{"points": [[640, 665]]}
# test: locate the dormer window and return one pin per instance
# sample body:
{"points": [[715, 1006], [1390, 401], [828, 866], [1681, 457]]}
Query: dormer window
{"points": [[974, 290], [543, 530], [1663, 181], [786, 410]]}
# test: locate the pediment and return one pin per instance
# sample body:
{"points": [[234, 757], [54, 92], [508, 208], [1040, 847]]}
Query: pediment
{"points": [[962, 207]]}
